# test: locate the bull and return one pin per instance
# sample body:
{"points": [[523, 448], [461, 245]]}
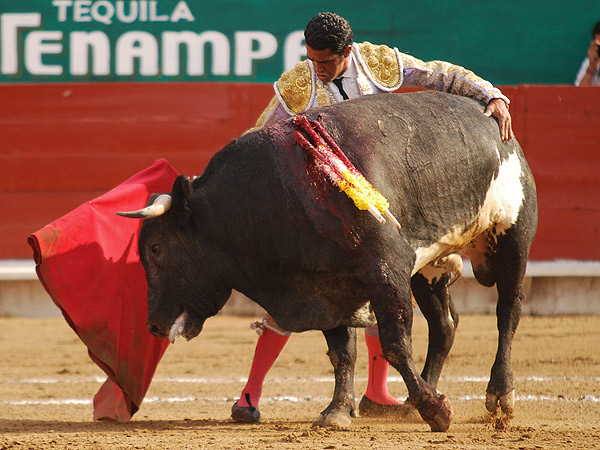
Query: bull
{"points": [[262, 219]]}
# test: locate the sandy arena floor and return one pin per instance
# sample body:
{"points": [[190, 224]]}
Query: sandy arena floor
{"points": [[47, 383]]}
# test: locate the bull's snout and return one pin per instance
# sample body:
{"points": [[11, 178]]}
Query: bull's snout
{"points": [[171, 333], [155, 330]]}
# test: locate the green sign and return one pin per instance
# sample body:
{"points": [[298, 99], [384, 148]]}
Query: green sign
{"points": [[146, 40], [506, 42]]}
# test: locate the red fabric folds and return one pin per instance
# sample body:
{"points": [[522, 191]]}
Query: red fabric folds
{"points": [[88, 261]]}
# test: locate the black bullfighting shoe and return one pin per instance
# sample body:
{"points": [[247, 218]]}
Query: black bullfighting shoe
{"points": [[368, 408], [248, 414]]}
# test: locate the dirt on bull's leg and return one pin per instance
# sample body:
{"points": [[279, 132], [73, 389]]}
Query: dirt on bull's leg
{"points": [[437, 413], [501, 418]]}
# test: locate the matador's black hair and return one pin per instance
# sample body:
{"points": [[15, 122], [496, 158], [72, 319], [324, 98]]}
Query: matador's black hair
{"points": [[328, 31]]}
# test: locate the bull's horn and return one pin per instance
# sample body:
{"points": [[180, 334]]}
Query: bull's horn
{"points": [[161, 205]]}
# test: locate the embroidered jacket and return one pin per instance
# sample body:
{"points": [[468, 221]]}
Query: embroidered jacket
{"points": [[373, 69]]}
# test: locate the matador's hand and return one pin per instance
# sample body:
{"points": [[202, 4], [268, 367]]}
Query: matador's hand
{"points": [[498, 108]]}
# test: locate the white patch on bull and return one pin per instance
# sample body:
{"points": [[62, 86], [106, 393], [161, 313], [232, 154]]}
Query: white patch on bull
{"points": [[363, 317], [177, 327], [451, 264], [500, 209], [449, 315]]}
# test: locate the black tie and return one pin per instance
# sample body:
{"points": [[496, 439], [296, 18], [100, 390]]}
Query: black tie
{"points": [[338, 83]]}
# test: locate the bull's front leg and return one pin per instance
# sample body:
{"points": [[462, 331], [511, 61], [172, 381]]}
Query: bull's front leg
{"points": [[393, 308], [342, 354]]}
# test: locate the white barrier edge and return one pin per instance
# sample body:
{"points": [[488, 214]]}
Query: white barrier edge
{"points": [[24, 269]]}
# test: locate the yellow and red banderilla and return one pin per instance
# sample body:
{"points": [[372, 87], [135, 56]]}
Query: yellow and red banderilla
{"points": [[336, 166]]}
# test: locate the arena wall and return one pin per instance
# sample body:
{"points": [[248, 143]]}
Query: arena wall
{"points": [[64, 144]]}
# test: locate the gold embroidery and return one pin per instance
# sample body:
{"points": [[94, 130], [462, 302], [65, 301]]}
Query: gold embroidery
{"points": [[265, 115], [323, 96], [363, 82], [270, 323], [447, 77], [295, 87], [382, 64]]}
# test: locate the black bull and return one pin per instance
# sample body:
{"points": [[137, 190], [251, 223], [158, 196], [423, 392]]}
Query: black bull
{"points": [[263, 220]]}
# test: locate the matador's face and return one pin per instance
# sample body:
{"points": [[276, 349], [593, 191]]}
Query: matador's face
{"points": [[328, 65]]}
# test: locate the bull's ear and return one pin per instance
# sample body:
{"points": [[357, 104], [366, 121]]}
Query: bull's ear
{"points": [[182, 188]]}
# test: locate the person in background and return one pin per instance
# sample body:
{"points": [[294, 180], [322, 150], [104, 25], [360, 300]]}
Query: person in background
{"points": [[339, 69], [589, 72]]}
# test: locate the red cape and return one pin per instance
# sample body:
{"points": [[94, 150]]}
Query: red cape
{"points": [[88, 261]]}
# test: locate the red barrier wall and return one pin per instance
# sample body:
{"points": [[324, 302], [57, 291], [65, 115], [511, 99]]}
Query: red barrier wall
{"points": [[63, 144]]}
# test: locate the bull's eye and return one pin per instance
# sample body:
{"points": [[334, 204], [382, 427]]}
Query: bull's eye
{"points": [[155, 249]]}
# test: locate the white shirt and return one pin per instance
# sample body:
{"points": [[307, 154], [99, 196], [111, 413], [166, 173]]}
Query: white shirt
{"points": [[349, 82], [583, 69]]}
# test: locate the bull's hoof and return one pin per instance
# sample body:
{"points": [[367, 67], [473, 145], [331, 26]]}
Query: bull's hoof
{"points": [[506, 403], [507, 406], [333, 419], [442, 418], [247, 414], [369, 408]]}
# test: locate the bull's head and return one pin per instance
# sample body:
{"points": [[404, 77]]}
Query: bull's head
{"points": [[183, 287]]}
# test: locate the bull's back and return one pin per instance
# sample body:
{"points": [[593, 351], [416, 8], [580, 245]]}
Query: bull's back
{"points": [[433, 155]]}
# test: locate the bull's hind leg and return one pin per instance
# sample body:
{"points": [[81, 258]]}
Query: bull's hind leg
{"points": [[430, 289], [342, 354], [508, 263]]}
